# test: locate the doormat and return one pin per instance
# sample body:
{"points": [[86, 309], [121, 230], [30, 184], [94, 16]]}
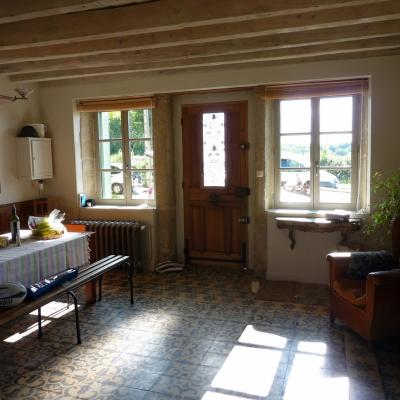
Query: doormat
{"points": [[294, 292]]}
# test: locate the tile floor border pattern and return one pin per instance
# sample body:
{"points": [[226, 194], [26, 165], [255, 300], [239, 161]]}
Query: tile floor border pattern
{"points": [[174, 340]]}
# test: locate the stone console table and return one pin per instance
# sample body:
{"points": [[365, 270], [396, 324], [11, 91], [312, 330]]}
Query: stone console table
{"points": [[317, 225]]}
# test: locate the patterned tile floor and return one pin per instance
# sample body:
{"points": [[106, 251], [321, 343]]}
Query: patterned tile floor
{"points": [[199, 334]]}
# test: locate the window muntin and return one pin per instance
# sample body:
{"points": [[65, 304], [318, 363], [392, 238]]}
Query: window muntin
{"points": [[125, 155], [316, 169]]}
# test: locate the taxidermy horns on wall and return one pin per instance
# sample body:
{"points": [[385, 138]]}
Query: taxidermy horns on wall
{"points": [[23, 94]]}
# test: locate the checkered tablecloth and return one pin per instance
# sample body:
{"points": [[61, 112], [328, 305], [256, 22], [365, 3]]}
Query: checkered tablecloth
{"points": [[35, 260]]}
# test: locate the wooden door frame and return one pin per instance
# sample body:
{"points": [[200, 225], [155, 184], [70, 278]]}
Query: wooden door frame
{"points": [[244, 164]]}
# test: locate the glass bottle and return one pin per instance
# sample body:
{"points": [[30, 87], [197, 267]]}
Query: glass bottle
{"points": [[14, 225]]}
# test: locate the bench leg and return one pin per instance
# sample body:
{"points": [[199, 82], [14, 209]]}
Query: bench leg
{"points": [[130, 269], [39, 322], [100, 282], [78, 329]]}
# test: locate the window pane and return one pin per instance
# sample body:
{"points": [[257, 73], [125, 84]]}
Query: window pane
{"points": [[295, 151], [117, 181], [295, 186], [110, 153], [335, 149], [295, 116], [141, 152], [109, 125], [214, 173], [140, 124], [335, 186], [142, 184], [336, 114], [112, 185]]}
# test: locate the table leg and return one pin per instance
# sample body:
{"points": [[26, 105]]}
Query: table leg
{"points": [[90, 292]]}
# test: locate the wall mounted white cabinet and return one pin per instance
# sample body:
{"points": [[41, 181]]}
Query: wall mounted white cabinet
{"points": [[34, 158]]}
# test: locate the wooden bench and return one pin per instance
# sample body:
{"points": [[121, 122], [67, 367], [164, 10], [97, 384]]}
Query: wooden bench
{"points": [[86, 275]]}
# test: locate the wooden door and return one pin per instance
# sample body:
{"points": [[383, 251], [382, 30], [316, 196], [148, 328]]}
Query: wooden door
{"points": [[215, 174]]}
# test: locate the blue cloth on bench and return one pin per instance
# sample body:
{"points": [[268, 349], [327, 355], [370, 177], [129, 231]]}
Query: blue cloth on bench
{"points": [[362, 263], [40, 288]]}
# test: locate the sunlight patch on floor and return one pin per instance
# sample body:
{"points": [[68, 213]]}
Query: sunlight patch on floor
{"points": [[255, 337], [55, 309], [19, 335], [251, 368], [309, 380], [248, 370], [221, 396], [312, 347]]}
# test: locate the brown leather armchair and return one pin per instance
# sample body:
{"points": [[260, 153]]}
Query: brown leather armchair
{"points": [[370, 307]]}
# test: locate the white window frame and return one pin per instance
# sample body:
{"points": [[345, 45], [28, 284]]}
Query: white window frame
{"points": [[315, 203], [127, 170]]}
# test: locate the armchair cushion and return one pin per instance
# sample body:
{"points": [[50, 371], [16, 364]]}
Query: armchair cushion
{"points": [[362, 263], [353, 290]]}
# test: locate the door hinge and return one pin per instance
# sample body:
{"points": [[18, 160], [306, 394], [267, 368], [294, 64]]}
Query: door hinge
{"points": [[181, 121], [244, 220], [183, 185], [245, 146]]}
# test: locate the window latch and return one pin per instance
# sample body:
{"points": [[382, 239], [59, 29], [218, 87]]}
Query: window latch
{"points": [[316, 168]]}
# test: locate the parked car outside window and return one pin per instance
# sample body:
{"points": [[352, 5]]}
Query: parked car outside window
{"points": [[117, 178], [301, 179]]}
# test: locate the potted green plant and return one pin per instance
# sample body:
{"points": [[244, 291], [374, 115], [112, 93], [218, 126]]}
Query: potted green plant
{"points": [[388, 204]]}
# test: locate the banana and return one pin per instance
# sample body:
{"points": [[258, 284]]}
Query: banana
{"points": [[44, 229]]}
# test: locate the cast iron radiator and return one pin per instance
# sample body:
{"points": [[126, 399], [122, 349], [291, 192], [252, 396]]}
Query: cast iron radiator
{"points": [[117, 237]]}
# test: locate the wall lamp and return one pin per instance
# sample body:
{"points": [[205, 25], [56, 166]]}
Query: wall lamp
{"points": [[22, 94]]}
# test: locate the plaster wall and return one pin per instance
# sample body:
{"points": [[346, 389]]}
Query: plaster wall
{"points": [[13, 116], [57, 111]]}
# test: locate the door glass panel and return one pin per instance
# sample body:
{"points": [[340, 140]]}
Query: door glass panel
{"points": [[335, 185], [214, 168], [109, 125], [295, 186], [110, 153], [142, 184], [295, 116], [139, 123], [335, 149], [141, 153], [336, 114]]}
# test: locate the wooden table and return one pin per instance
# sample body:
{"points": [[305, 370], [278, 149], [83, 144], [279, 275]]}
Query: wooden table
{"points": [[35, 259]]}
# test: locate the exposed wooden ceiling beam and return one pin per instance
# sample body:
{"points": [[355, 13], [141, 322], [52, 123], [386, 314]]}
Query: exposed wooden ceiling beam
{"points": [[163, 15], [353, 49], [76, 79], [13, 11], [243, 46], [342, 19]]}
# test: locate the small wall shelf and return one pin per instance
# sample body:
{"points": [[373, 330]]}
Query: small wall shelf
{"points": [[317, 225]]}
